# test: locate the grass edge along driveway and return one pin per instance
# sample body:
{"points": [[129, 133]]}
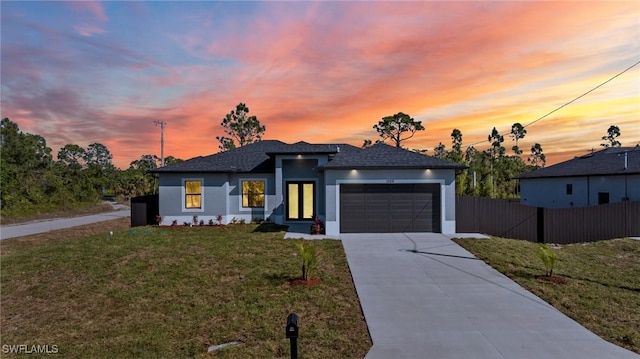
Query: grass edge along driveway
{"points": [[603, 286], [154, 292]]}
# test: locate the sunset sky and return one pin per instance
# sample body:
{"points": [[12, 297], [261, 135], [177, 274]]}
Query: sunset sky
{"points": [[321, 72]]}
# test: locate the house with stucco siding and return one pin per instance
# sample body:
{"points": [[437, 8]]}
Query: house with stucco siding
{"points": [[607, 176], [376, 189]]}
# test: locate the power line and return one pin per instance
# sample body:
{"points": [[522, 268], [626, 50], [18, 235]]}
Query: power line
{"points": [[584, 94], [572, 101]]}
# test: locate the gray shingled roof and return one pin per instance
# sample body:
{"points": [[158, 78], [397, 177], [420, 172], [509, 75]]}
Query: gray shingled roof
{"points": [[304, 148], [383, 156], [257, 158], [609, 161], [249, 158]]}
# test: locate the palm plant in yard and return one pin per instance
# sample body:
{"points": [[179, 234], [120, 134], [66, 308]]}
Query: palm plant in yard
{"points": [[309, 259], [548, 257]]}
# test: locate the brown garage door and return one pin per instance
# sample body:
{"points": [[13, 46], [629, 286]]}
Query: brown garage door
{"points": [[387, 208]]}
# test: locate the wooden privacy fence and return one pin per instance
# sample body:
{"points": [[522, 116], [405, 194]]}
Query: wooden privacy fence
{"points": [[144, 210], [510, 219]]}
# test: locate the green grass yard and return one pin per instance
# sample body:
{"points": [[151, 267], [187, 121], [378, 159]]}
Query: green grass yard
{"points": [[153, 292], [603, 282]]}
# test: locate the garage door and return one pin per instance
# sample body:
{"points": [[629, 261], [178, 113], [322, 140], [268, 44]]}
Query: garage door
{"points": [[387, 208]]}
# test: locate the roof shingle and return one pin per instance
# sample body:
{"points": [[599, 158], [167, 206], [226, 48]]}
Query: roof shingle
{"points": [[381, 155], [257, 158], [610, 161]]}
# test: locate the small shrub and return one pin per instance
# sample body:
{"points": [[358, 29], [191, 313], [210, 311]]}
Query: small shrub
{"points": [[219, 219], [158, 219], [309, 259], [186, 224], [317, 227], [234, 220], [201, 222], [174, 222], [548, 257], [211, 223], [242, 221], [195, 220]]}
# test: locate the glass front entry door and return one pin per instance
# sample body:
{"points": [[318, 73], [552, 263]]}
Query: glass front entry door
{"points": [[301, 200]]}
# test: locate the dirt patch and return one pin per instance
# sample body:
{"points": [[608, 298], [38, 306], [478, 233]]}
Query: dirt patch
{"points": [[553, 279], [299, 282]]}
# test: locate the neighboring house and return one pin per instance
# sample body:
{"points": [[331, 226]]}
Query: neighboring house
{"points": [[607, 176], [375, 189]]}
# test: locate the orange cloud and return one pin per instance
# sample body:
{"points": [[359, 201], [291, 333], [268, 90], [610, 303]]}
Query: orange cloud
{"points": [[328, 71]]}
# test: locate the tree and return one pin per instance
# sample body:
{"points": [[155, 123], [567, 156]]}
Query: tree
{"points": [[440, 151], [170, 160], [613, 132], [369, 143], [145, 163], [517, 132], [242, 128], [394, 127], [456, 146], [72, 156], [537, 157], [495, 138], [98, 154]]}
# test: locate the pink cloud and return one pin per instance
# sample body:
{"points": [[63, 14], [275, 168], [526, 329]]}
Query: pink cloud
{"points": [[92, 7], [89, 29], [93, 25], [328, 71]]}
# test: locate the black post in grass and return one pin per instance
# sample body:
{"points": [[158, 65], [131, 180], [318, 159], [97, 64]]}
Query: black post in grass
{"points": [[291, 332]]}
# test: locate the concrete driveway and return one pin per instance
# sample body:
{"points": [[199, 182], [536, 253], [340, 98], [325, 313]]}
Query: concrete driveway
{"points": [[423, 296]]}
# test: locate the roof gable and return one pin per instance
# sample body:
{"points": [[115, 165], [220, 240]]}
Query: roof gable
{"points": [[609, 161]]}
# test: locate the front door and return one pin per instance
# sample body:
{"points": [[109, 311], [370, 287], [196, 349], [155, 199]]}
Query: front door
{"points": [[301, 200]]}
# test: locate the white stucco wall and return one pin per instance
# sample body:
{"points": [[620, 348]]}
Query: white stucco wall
{"points": [[221, 196], [171, 197]]}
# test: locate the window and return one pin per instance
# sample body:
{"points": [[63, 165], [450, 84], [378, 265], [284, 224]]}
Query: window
{"points": [[603, 197], [253, 194], [569, 188], [192, 194], [301, 200]]}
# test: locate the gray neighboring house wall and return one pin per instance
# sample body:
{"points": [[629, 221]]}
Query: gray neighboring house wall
{"points": [[607, 176], [377, 189]]}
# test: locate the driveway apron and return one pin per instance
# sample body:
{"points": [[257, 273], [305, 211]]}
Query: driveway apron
{"points": [[423, 296]]}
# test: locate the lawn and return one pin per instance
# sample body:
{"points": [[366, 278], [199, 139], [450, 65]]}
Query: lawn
{"points": [[85, 209], [603, 286], [153, 292]]}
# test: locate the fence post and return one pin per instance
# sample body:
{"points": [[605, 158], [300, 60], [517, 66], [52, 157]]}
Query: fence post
{"points": [[540, 224]]}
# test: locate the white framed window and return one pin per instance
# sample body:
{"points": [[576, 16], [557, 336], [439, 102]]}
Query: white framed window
{"points": [[253, 193], [193, 194]]}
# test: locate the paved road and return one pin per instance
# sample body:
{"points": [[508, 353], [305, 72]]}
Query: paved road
{"points": [[20, 230], [424, 296]]}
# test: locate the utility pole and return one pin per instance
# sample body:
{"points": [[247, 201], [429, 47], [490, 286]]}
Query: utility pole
{"points": [[161, 124]]}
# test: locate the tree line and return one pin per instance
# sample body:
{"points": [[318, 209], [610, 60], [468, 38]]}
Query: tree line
{"points": [[32, 181], [489, 173]]}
